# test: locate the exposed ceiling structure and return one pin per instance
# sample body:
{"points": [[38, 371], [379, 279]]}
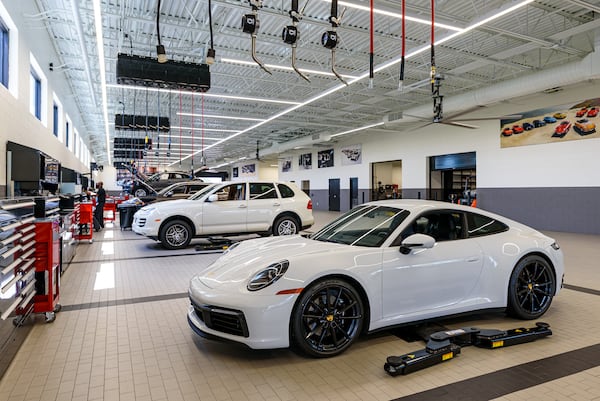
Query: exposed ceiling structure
{"points": [[478, 44]]}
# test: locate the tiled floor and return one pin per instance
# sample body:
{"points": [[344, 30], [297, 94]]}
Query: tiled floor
{"points": [[123, 335]]}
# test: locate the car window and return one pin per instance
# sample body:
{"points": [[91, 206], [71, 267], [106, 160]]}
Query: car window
{"points": [[262, 190], [441, 225], [179, 189], [365, 226], [233, 192], [479, 225], [285, 191], [194, 188]]}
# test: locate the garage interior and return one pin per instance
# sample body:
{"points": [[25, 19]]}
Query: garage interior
{"points": [[411, 124]]}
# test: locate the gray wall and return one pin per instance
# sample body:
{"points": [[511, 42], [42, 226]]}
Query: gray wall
{"points": [[573, 209]]}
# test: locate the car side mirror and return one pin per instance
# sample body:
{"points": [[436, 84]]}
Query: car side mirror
{"points": [[416, 241], [213, 198], [169, 194]]}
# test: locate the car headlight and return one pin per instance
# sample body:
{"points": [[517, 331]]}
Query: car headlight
{"points": [[268, 276]]}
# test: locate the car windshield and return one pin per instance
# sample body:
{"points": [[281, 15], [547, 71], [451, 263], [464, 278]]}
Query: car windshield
{"points": [[363, 226], [202, 192]]}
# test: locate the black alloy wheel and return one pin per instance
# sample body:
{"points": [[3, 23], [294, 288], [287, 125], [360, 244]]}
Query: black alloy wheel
{"points": [[327, 318], [176, 234], [140, 192], [531, 288]]}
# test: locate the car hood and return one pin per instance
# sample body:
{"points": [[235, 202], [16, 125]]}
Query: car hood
{"points": [[249, 257], [177, 204]]}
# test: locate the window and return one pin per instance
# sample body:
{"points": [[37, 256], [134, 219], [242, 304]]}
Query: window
{"points": [[36, 95], [482, 225], [4, 51], [441, 225], [75, 142], [232, 192], [262, 190], [363, 226], [67, 133], [285, 191], [55, 121]]}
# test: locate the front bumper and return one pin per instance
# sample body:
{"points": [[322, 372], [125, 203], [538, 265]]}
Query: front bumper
{"points": [[148, 229], [259, 321]]}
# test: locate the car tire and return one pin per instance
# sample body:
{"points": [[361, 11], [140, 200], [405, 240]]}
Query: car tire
{"points": [[140, 192], [286, 225], [531, 288], [327, 319], [175, 234]]}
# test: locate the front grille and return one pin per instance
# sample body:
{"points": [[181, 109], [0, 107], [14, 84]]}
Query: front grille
{"points": [[228, 321]]}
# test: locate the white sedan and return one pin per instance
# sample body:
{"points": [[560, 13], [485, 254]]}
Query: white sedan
{"points": [[227, 208], [381, 264]]}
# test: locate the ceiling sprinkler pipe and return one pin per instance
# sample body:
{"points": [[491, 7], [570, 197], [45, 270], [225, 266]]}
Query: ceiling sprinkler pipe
{"points": [[333, 68], [294, 64], [257, 61]]}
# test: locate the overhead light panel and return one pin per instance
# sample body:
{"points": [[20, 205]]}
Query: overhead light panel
{"points": [[145, 71]]}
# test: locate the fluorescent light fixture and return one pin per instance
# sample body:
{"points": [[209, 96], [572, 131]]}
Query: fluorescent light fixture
{"points": [[395, 15], [223, 117], [102, 66], [381, 67], [177, 127], [206, 95], [284, 67], [357, 129]]}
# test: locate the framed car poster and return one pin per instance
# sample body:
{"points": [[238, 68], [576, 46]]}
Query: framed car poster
{"points": [[351, 154], [286, 165], [305, 161], [235, 172], [325, 158]]}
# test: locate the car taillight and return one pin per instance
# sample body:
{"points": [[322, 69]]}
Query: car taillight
{"points": [[309, 205]]}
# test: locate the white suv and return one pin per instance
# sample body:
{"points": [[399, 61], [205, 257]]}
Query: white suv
{"points": [[227, 208]]}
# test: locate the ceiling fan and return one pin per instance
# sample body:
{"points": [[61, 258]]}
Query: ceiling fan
{"points": [[438, 115]]}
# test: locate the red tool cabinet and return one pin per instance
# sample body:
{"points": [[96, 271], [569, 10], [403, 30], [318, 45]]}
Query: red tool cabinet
{"points": [[86, 221], [47, 267]]}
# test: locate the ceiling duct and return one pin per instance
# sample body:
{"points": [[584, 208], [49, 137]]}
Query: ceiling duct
{"points": [[132, 122], [146, 71]]}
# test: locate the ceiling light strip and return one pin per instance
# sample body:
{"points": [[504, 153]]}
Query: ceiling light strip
{"points": [[208, 95], [282, 67], [366, 74], [396, 15], [358, 129], [223, 117], [102, 66]]}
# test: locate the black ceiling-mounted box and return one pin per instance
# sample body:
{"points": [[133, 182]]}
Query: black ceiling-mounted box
{"points": [[133, 122], [147, 71]]}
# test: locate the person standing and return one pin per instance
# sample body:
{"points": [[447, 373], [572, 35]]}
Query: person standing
{"points": [[100, 201]]}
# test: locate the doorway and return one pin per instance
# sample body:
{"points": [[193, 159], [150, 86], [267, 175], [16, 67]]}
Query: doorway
{"points": [[334, 194], [453, 178], [386, 180], [305, 186], [353, 192]]}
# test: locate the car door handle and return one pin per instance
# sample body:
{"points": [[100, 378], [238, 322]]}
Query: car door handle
{"points": [[242, 206], [276, 204], [473, 259]]}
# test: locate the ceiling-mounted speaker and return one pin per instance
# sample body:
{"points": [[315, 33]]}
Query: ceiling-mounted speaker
{"points": [[249, 23], [147, 71], [290, 34]]}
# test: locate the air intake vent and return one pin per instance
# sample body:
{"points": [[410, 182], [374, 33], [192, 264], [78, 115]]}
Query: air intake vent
{"points": [[147, 71]]}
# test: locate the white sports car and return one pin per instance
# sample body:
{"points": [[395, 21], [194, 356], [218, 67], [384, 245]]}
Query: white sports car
{"points": [[381, 264]]}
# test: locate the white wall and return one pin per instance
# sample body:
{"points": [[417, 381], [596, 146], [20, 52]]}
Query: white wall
{"points": [[565, 164], [17, 124]]}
